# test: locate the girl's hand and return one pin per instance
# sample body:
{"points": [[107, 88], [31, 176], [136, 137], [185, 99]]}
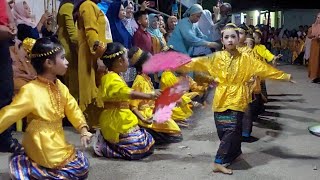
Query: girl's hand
{"points": [[155, 95], [85, 139], [99, 48], [279, 56], [147, 121]]}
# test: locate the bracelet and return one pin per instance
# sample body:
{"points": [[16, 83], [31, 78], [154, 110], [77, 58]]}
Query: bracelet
{"points": [[86, 134]]}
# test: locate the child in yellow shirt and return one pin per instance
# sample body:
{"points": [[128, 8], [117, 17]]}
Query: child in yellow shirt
{"points": [[167, 132], [121, 136]]}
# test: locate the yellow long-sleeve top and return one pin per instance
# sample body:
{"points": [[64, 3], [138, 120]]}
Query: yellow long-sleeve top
{"points": [[232, 75], [262, 53], [244, 49], [116, 118], [143, 83], [45, 104]]}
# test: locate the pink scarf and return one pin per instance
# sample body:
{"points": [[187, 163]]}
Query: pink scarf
{"points": [[20, 14]]}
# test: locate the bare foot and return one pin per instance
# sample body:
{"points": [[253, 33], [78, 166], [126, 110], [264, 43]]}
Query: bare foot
{"points": [[222, 169]]}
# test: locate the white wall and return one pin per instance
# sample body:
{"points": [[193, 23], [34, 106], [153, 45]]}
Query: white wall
{"points": [[37, 7], [295, 17]]}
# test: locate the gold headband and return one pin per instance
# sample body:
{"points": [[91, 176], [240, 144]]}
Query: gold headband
{"points": [[46, 54], [235, 29], [136, 56], [258, 31], [27, 44], [250, 38], [231, 24], [113, 55]]}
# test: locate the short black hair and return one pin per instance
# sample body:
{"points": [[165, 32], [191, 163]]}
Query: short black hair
{"points": [[139, 14], [43, 46], [112, 48]]}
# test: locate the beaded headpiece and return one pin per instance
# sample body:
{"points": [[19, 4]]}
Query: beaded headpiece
{"points": [[114, 54], [27, 44], [250, 38], [46, 53], [234, 27], [136, 56], [241, 29], [258, 31]]}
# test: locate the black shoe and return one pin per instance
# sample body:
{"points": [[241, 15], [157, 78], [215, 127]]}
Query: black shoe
{"points": [[13, 146], [316, 80], [250, 139]]}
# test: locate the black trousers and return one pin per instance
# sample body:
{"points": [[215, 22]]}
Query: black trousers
{"points": [[6, 89]]}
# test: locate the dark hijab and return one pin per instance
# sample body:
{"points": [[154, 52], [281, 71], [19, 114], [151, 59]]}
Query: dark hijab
{"points": [[118, 30]]}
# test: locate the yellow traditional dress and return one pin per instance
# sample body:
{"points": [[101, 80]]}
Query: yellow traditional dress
{"points": [[47, 153], [164, 132], [68, 37], [232, 73], [263, 53], [119, 126], [91, 28], [183, 111]]}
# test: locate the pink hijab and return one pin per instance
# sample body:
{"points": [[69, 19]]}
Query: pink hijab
{"points": [[20, 14], [316, 27]]}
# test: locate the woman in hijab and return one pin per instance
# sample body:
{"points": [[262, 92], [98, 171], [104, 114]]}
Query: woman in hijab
{"points": [[129, 22], [207, 27], [158, 41], [116, 13], [26, 26], [314, 60], [171, 23], [91, 32], [68, 36], [187, 34]]}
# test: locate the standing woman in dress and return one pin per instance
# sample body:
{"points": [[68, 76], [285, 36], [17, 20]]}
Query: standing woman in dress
{"points": [[68, 37], [314, 60], [91, 31]]}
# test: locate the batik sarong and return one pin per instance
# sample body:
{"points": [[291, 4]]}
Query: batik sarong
{"points": [[131, 146], [23, 168]]}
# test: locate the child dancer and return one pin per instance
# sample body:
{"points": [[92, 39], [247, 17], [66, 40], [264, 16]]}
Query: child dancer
{"points": [[121, 136], [232, 71], [168, 132], [243, 32], [262, 53], [255, 99], [46, 101], [183, 110]]}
